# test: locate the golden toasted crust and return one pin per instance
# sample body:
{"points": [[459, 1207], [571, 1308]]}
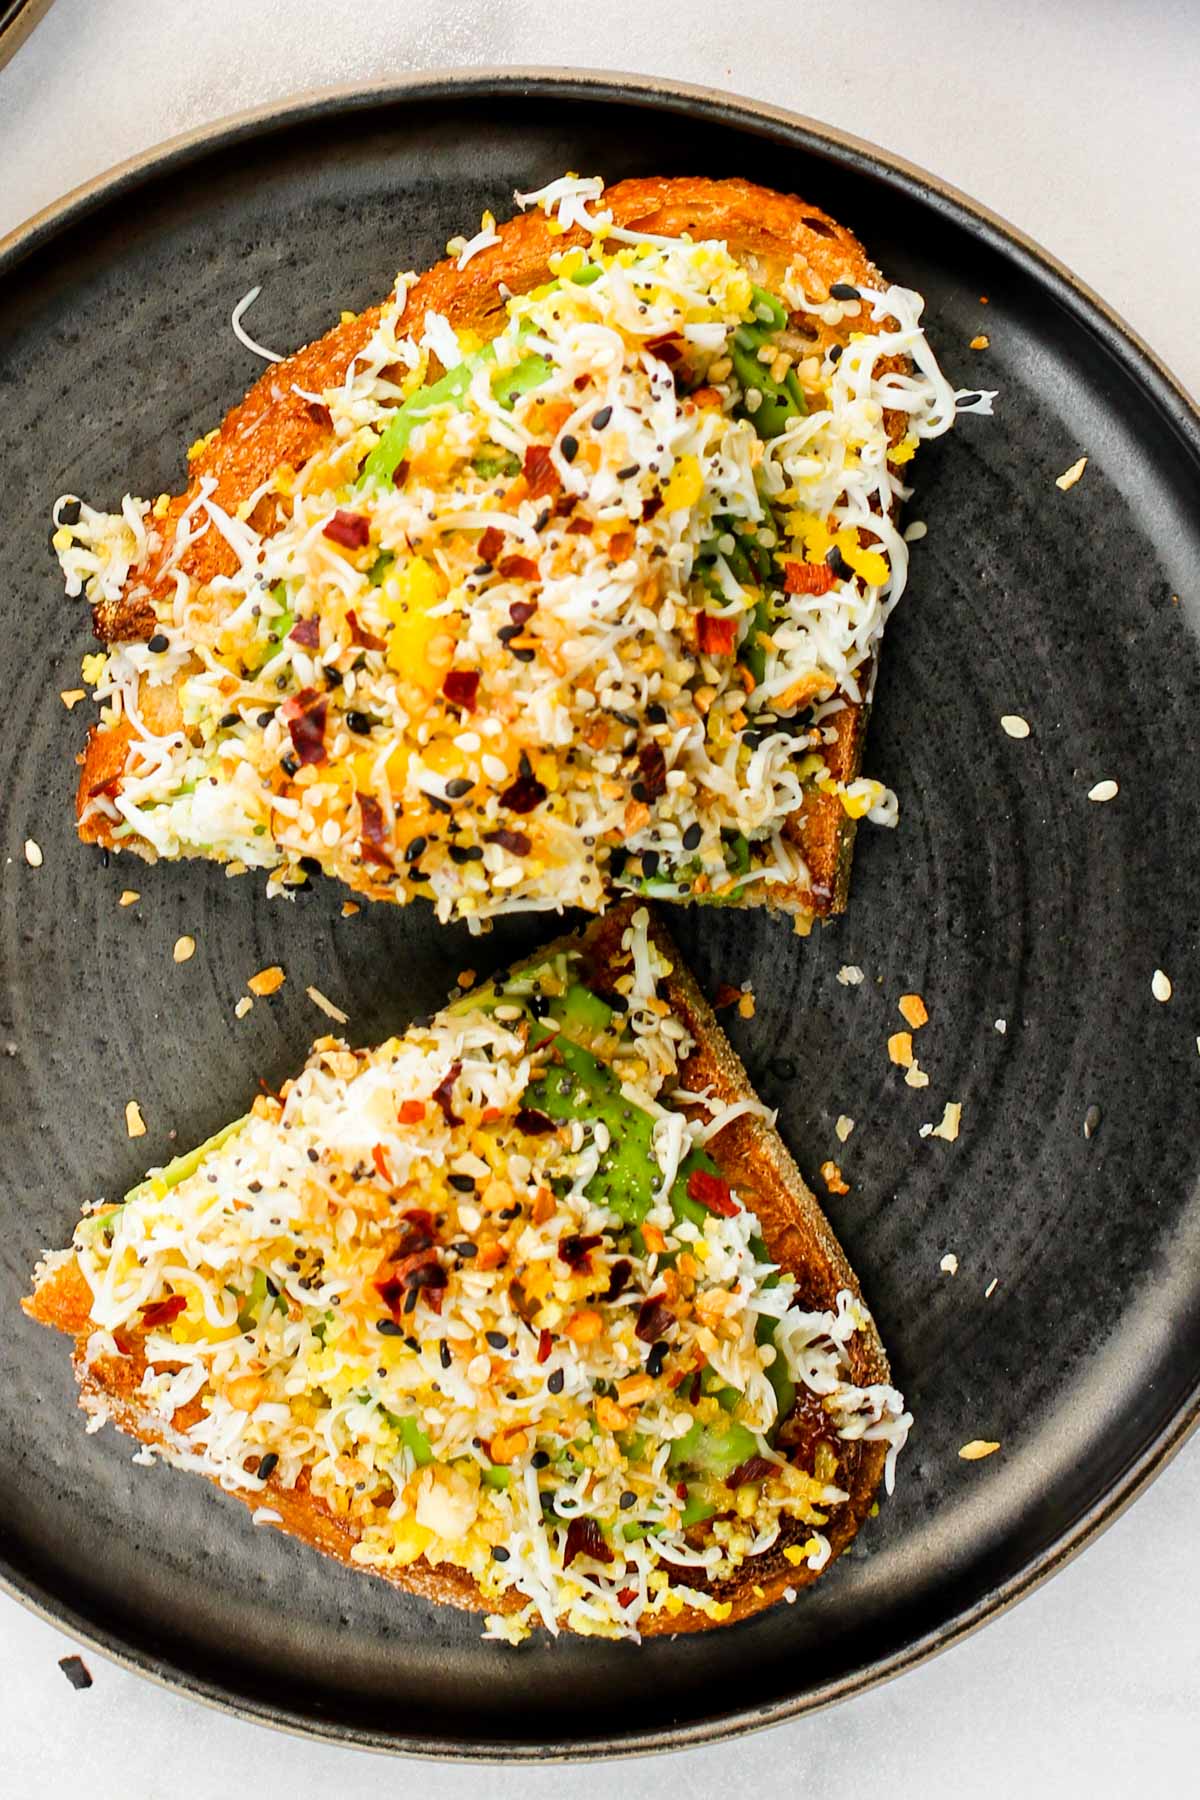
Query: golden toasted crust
{"points": [[769, 232], [752, 1158]]}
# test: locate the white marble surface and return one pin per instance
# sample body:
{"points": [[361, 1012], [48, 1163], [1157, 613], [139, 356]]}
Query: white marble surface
{"points": [[1078, 120]]}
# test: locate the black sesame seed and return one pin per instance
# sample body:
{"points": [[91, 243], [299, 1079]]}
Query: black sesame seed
{"points": [[656, 1358], [555, 1381], [389, 1327], [444, 1356], [68, 513], [412, 1343], [159, 642], [435, 801], [465, 1248], [333, 677], [601, 419], [543, 518], [458, 787], [524, 656], [569, 448], [627, 1500], [967, 400], [507, 633], [691, 837], [656, 714], [650, 860], [496, 1339], [267, 1465], [464, 1183], [314, 1155], [539, 1459], [499, 1553], [230, 719], [359, 723], [844, 290], [839, 565], [410, 1303], [835, 354], [415, 849], [289, 765], [465, 853], [76, 1671], [264, 719], [628, 471]]}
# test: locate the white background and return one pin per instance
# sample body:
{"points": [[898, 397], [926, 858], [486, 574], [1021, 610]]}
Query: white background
{"points": [[1080, 121]]}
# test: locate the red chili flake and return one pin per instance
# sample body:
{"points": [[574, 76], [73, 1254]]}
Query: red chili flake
{"points": [[653, 1319], [584, 1538], [726, 995], [681, 1490], [306, 633], [545, 1345], [444, 1090], [360, 637], [755, 1468], [411, 1112], [618, 1278], [400, 473], [540, 472], [319, 413], [379, 1158], [515, 842], [305, 717], [522, 795], [625, 1596], [374, 831], [491, 544], [620, 544], [461, 687], [161, 1312], [533, 1123], [517, 568], [349, 529], [710, 1192], [653, 506], [418, 1222], [576, 1251], [667, 349], [653, 766], [580, 528], [694, 1396], [807, 578], [715, 636]]}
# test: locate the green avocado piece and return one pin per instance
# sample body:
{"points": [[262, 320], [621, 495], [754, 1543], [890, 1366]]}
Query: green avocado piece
{"points": [[414, 1439], [716, 1449], [497, 1476]]}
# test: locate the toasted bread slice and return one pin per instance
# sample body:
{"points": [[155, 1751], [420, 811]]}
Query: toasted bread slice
{"points": [[534, 1312], [281, 441]]}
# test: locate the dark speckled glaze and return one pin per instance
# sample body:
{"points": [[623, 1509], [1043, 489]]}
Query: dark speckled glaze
{"points": [[1005, 894]]}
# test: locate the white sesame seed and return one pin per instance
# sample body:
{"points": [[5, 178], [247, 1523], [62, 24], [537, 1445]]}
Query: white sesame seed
{"points": [[1015, 725], [949, 1264], [33, 853], [850, 975], [493, 768], [843, 1128], [1160, 986], [1104, 790], [916, 531], [243, 1007], [330, 833], [1002, 1026]]}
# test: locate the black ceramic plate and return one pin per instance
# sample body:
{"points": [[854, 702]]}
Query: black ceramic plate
{"points": [[1006, 894]]}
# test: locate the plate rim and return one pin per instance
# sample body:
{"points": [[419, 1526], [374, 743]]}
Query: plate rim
{"points": [[1173, 400]]}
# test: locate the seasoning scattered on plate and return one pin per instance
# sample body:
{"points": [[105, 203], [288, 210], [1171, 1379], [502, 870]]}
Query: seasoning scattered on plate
{"points": [[1001, 1026], [949, 1264], [1160, 986], [1072, 475], [832, 1176], [1104, 790], [844, 1127], [915, 1076], [72, 696], [349, 908], [327, 1006], [185, 949], [977, 1449], [135, 1125], [267, 981], [981, 342], [33, 853], [129, 897], [244, 1005], [850, 975], [76, 1671], [1015, 725], [991, 1287], [899, 1048], [951, 1120], [913, 1010]]}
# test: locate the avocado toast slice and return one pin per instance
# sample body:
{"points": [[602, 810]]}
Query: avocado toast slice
{"points": [[564, 570], [528, 1311]]}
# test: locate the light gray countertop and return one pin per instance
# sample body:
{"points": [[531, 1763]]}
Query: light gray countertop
{"points": [[1077, 120]]}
